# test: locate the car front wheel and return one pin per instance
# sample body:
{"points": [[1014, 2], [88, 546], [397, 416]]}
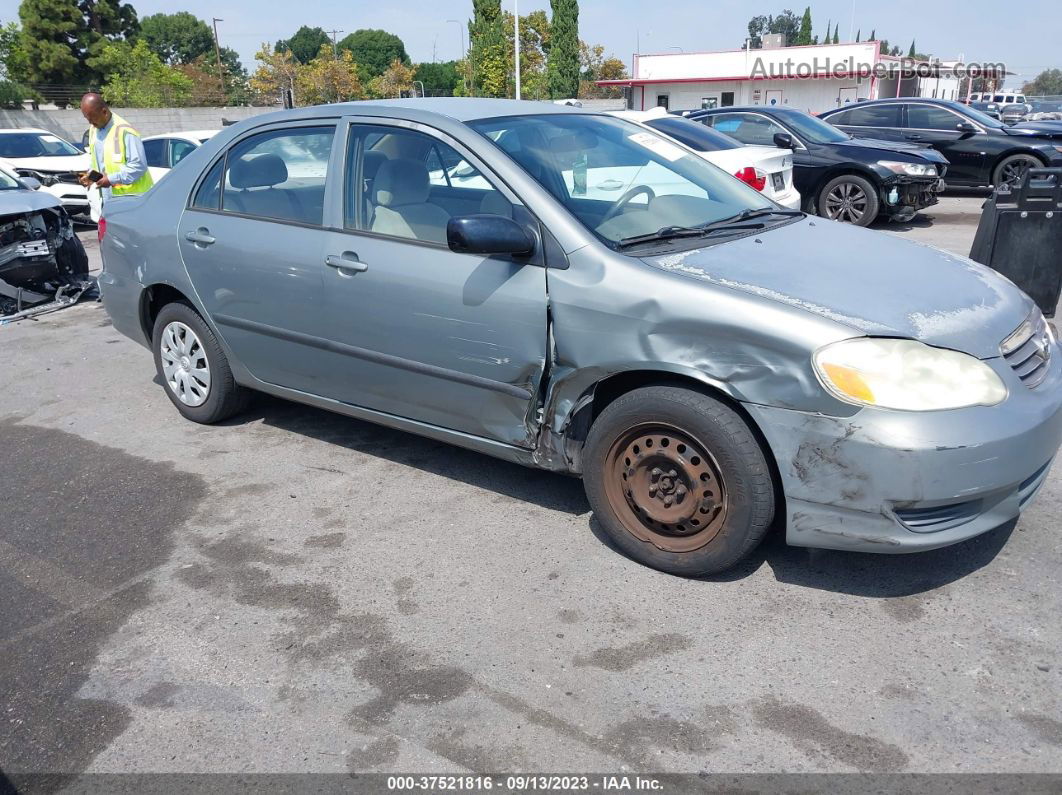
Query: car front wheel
{"points": [[192, 366], [678, 481], [1011, 169], [849, 198]]}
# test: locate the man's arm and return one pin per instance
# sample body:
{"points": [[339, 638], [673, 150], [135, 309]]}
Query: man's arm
{"points": [[135, 162]]}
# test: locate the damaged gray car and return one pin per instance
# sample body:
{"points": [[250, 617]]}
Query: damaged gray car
{"points": [[573, 292], [42, 262]]}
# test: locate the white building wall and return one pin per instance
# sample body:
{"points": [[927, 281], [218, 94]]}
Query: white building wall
{"points": [[740, 63], [814, 95]]}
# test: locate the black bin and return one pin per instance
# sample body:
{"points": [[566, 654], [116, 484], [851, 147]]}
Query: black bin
{"points": [[1020, 235]]}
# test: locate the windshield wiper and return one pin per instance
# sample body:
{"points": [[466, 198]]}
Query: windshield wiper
{"points": [[745, 215], [663, 233]]}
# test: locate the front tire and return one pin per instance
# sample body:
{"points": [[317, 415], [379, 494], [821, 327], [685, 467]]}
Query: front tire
{"points": [[850, 199], [1011, 169], [678, 481], [192, 366]]}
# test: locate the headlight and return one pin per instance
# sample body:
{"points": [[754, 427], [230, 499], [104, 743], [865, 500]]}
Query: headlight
{"points": [[910, 169], [905, 375]]}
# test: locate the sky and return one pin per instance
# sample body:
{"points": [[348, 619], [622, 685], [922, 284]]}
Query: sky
{"points": [[1025, 34]]}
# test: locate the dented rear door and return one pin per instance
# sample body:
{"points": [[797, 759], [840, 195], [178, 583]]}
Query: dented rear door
{"points": [[454, 340]]}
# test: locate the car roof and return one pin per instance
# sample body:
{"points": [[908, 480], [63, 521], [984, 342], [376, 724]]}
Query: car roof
{"points": [[191, 135], [28, 130], [460, 109]]}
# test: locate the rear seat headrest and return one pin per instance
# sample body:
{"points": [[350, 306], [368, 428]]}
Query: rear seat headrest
{"points": [[258, 172]]}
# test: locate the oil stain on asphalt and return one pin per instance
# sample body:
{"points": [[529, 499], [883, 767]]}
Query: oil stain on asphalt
{"points": [[83, 527]]}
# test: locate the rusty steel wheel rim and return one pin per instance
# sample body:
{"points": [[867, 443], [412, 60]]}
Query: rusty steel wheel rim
{"points": [[665, 487]]}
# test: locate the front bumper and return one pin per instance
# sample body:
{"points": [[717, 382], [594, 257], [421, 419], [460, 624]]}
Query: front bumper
{"points": [[903, 196], [892, 481]]}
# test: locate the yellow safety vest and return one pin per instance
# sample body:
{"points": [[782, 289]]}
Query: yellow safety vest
{"points": [[114, 156]]}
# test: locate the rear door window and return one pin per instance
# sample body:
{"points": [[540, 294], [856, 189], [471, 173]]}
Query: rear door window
{"points": [[155, 150], [928, 117], [868, 116], [179, 150]]}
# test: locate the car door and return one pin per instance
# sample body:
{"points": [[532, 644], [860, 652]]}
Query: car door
{"points": [[157, 153], [454, 340], [939, 127], [252, 242], [758, 129], [881, 122]]}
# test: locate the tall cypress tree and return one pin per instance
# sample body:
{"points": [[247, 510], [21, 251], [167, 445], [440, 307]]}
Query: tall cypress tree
{"points": [[487, 54], [836, 37], [804, 36], [911, 53], [562, 69]]}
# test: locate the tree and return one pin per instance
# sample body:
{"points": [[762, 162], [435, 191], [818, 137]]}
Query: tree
{"points": [[396, 79], [374, 51], [757, 26], [804, 36], [786, 24], [487, 50], [827, 39], [439, 79], [873, 35], [836, 38], [912, 51], [105, 21], [137, 77], [305, 44], [534, 38], [178, 38], [859, 33], [275, 75], [562, 66], [597, 67], [330, 77], [13, 63], [1047, 83]]}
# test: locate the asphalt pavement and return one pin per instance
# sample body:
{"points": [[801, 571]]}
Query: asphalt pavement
{"points": [[294, 591]]}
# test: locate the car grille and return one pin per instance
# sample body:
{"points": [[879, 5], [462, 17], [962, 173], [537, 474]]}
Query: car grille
{"points": [[1028, 488], [940, 517], [1028, 351], [50, 177]]}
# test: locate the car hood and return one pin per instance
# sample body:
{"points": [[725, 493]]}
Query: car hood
{"points": [[910, 150], [16, 202], [58, 163], [1039, 129], [872, 282]]}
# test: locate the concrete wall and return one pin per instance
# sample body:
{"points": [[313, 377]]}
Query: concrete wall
{"points": [[70, 124]]}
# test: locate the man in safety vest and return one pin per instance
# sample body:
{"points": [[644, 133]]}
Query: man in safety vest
{"points": [[115, 150]]}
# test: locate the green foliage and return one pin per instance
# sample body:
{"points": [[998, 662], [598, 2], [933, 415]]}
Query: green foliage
{"points": [[488, 65], [438, 78], [12, 94], [63, 40], [785, 23], [911, 52], [305, 44], [562, 69], [1047, 83], [804, 35], [137, 78], [177, 38], [836, 38], [13, 62], [374, 51], [859, 34]]}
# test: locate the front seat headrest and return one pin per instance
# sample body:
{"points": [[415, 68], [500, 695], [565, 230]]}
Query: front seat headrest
{"points": [[401, 181], [258, 172]]}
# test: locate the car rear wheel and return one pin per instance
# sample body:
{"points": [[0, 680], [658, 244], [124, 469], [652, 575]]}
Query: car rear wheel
{"points": [[192, 366], [678, 481], [850, 199], [1010, 170]]}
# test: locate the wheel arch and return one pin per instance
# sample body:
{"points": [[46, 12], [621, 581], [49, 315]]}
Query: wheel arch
{"points": [[1010, 153], [152, 299]]}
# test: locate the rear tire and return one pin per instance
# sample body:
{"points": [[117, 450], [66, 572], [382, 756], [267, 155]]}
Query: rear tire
{"points": [[192, 366], [678, 481], [850, 199]]}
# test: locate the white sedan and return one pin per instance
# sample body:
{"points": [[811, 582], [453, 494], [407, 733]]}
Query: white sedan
{"points": [[165, 151], [50, 160], [766, 168]]}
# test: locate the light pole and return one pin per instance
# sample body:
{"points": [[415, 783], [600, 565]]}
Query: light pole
{"points": [[464, 52], [516, 43], [217, 54]]}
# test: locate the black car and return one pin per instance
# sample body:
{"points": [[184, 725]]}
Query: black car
{"points": [[990, 109], [839, 177], [981, 150]]}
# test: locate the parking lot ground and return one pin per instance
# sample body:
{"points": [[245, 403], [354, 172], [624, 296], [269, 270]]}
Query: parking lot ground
{"points": [[297, 591]]}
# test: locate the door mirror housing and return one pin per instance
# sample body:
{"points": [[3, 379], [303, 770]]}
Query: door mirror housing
{"points": [[488, 234], [30, 183], [965, 127], [784, 141]]}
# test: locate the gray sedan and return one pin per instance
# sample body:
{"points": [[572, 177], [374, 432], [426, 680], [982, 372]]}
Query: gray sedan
{"points": [[573, 292]]}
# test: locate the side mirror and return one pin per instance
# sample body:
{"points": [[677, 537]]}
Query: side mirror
{"points": [[30, 183], [784, 141], [488, 234], [965, 127]]}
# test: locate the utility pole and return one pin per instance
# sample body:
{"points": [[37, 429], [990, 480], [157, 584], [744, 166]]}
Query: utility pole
{"points": [[465, 55], [335, 52], [217, 54], [516, 43]]}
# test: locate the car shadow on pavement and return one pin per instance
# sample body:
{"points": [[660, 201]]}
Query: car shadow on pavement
{"points": [[546, 489]]}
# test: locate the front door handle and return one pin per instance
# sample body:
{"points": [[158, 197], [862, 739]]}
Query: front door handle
{"points": [[201, 236], [347, 261], [913, 137]]}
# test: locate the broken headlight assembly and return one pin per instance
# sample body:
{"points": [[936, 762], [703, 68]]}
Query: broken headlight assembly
{"points": [[910, 169], [906, 375]]}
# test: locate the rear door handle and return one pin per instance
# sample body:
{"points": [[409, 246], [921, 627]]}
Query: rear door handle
{"points": [[347, 261], [913, 137], [201, 236]]}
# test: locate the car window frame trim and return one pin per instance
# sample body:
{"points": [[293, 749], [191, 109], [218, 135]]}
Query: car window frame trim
{"points": [[796, 138], [906, 118]]}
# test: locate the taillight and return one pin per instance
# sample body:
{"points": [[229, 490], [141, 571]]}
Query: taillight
{"points": [[101, 228], [752, 176]]}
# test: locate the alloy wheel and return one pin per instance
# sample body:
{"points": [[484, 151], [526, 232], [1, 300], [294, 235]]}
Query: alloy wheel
{"points": [[184, 364], [1013, 171], [665, 487], [846, 202]]}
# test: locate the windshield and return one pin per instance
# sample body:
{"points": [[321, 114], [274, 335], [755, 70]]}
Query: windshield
{"points": [[695, 135], [813, 129], [618, 178], [34, 145], [981, 118], [7, 182]]}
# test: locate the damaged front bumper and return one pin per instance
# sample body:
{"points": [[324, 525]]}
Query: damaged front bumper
{"points": [[891, 481], [41, 260], [901, 197]]}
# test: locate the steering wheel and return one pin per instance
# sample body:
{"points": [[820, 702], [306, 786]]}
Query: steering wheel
{"points": [[625, 199]]}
